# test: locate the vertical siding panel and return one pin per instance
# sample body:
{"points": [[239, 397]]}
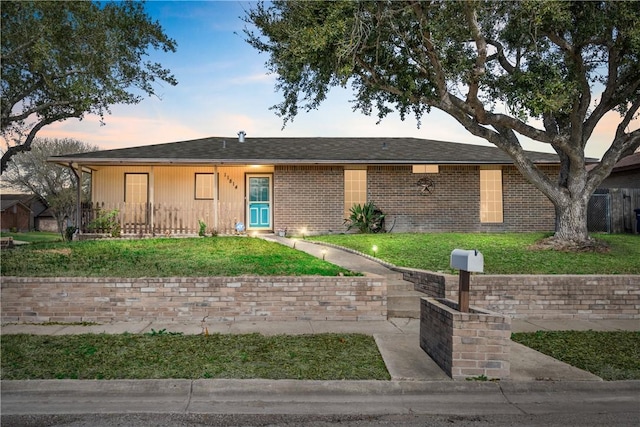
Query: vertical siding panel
{"points": [[109, 182], [175, 208], [231, 187]]}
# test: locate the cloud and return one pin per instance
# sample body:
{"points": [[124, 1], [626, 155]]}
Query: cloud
{"points": [[262, 78], [121, 132]]}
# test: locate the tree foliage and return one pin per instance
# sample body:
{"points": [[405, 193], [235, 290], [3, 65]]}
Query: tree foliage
{"points": [[65, 59], [545, 70], [30, 172]]}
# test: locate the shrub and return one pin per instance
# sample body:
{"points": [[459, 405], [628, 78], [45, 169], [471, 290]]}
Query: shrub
{"points": [[69, 232], [106, 223], [366, 218], [202, 231]]}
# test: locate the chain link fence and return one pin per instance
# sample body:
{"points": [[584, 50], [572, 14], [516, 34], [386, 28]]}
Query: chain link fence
{"points": [[599, 213]]}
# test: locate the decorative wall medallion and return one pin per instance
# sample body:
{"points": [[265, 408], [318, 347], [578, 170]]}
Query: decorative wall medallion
{"points": [[426, 185]]}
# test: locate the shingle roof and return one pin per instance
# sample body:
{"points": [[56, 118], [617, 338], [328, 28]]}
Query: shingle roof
{"points": [[8, 203], [305, 151], [628, 163]]}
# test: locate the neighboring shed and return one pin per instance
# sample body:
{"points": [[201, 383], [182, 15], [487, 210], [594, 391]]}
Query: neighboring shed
{"points": [[16, 216], [40, 218]]}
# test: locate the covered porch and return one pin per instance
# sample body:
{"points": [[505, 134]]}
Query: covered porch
{"points": [[160, 200]]}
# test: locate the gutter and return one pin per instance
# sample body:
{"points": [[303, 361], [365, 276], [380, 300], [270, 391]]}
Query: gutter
{"points": [[157, 161]]}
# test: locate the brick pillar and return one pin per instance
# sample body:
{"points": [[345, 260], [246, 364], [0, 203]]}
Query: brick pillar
{"points": [[465, 345]]}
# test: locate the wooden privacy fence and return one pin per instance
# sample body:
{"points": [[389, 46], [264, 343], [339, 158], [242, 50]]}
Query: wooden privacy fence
{"points": [[160, 218], [612, 210]]}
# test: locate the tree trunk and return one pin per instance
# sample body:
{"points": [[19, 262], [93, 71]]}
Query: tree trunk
{"points": [[571, 223]]}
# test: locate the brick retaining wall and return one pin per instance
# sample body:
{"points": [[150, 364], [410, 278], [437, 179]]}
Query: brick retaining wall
{"points": [[540, 297], [190, 299]]}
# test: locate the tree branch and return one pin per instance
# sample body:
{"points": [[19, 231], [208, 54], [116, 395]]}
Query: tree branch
{"points": [[631, 112], [41, 107], [502, 59], [478, 68], [26, 145], [440, 76]]}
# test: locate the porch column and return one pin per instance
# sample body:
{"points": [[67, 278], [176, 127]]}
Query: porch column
{"points": [[151, 200], [78, 174], [216, 199]]}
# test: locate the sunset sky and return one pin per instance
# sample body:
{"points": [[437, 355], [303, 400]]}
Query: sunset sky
{"points": [[223, 87]]}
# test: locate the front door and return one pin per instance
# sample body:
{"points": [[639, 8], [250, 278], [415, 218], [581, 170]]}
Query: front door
{"points": [[259, 202]]}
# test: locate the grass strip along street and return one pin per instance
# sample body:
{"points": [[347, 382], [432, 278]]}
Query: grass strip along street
{"points": [[612, 356], [162, 355]]}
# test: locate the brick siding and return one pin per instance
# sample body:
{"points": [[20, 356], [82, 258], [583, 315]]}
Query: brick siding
{"points": [[191, 299], [465, 345], [541, 297], [312, 197]]}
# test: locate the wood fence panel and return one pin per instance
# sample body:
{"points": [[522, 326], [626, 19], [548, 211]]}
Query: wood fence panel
{"points": [[164, 219]]}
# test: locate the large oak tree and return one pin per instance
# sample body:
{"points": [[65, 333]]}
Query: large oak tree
{"points": [[545, 70], [66, 59]]}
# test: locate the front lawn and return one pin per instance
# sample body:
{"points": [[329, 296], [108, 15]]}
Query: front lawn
{"points": [[167, 257], [166, 355], [504, 253], [612, 356]]}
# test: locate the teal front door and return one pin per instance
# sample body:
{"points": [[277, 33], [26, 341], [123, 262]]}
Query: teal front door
{"points": [[259, 202]]}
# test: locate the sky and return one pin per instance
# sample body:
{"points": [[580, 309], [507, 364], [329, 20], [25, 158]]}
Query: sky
{"points": [[224, 87]]}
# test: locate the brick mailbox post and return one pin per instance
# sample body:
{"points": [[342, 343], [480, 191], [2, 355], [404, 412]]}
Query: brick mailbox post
{"points": [[464, 341]]}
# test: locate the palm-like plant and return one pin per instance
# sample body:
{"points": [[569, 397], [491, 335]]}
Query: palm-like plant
{"points": [[366, 218]]}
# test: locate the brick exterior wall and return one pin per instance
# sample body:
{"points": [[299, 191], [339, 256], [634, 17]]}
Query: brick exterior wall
{"points": [[541, 297], [465, 345], [308, 197], [191, 299], [312, 197]]}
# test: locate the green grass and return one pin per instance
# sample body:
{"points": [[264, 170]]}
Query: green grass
{"points": [[504, 253], [34, 236], [157, 356], [610, 355], [219, 256]]}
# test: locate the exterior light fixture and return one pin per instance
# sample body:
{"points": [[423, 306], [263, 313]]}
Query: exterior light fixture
{"points": [[375, 250], [324, 254], [294, 243], [303, 231]]}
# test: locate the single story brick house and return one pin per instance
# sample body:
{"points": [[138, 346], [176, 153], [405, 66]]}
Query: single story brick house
{"points": [[308, 185]]}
